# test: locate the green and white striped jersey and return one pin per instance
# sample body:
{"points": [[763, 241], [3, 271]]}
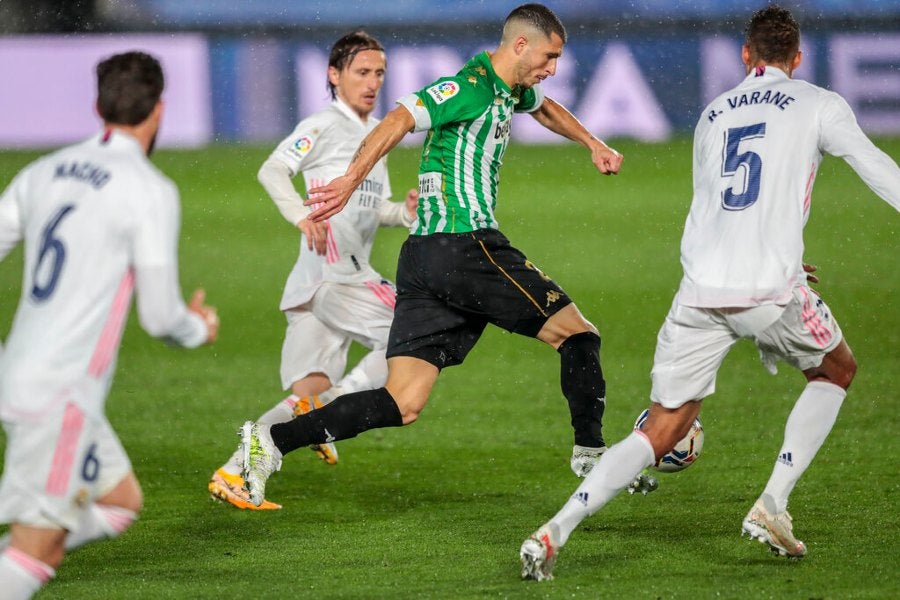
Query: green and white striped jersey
{"points": [[468, 121]]}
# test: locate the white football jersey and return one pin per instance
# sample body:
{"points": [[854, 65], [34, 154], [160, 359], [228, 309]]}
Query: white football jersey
{"points": [[321, 146], [97, 219], [756, 151]]}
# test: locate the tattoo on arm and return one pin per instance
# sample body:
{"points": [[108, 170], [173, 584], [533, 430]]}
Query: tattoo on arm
{"points": [[359, 151]]}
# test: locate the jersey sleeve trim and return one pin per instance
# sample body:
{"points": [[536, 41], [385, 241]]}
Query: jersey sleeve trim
{"points": [[414, 104], [535, 96]]}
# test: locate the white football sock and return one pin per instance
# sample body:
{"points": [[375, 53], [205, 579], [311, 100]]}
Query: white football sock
{"points": [[617, 467], [331, 393], [22, 575], [280, 413], [369, 373], [99, 522], [807, 428]]}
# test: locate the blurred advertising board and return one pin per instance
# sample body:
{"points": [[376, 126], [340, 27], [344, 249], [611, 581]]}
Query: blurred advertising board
{"points": [[49, 87], [255, 88]]}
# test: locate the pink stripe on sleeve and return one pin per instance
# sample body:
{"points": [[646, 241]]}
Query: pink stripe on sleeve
{"points": [[112, 330], [807, 197], [64, 454]]}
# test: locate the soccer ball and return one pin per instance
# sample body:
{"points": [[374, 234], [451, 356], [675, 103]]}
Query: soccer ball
{"points": [[684, 453]]}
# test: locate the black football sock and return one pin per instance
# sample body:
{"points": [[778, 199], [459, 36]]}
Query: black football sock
{"points": [[345, 417], [581, 379]]}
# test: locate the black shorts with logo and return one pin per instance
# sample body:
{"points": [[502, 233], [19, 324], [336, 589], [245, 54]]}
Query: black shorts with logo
{"points": [[451, 285]]}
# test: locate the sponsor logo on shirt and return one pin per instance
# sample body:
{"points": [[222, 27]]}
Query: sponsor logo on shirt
{"points": [[430, 185], [502, 130], [443, 91]]}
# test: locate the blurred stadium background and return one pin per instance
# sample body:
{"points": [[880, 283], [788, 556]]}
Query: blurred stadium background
{"points": [[246, 71]]}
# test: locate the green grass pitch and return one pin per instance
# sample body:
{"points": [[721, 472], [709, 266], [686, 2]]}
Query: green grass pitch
{"points": [[438, 509]]}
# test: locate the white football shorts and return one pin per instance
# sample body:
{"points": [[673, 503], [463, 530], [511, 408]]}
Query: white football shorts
{"points": [[693, 342], [57, 465], [319, 332]]}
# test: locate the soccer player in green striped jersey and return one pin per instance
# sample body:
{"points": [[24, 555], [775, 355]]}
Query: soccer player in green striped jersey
{"points": [[468, 121], [457, 272]]}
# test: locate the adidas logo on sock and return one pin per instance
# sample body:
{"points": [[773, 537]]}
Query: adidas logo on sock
{"points": [[785, 458], [582, 497]]}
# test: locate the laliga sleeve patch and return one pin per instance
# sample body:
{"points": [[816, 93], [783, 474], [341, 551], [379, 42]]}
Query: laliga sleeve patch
{"points": [[301, 146], [443, 91]]}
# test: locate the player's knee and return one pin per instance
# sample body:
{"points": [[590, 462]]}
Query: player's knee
{"points": [[134, 503], [564, 325], [846, 373], [840, 367], [582, 341], [127, 495]]}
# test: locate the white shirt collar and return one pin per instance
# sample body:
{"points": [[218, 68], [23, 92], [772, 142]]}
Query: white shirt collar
{"points": [[118, 138], [349, 112], [767, 70]]}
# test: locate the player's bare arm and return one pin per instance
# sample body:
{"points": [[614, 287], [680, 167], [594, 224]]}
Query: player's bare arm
{"points": [[555, 117], [330, 199], [275, 176]]}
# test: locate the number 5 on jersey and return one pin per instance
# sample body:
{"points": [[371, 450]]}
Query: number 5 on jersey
{"points": [[732, 162]]}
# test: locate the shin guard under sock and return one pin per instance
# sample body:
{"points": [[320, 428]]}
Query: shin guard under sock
{"points": [[344, 418], [581, 379]]}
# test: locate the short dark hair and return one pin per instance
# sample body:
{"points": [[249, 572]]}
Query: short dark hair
{"points": [[128, 87], [540, 17], [773, 35], [345, 50]]}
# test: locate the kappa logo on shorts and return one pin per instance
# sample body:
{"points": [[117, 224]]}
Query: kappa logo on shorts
{"points": [[553, 296], [443, 91], [531, 265]]}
